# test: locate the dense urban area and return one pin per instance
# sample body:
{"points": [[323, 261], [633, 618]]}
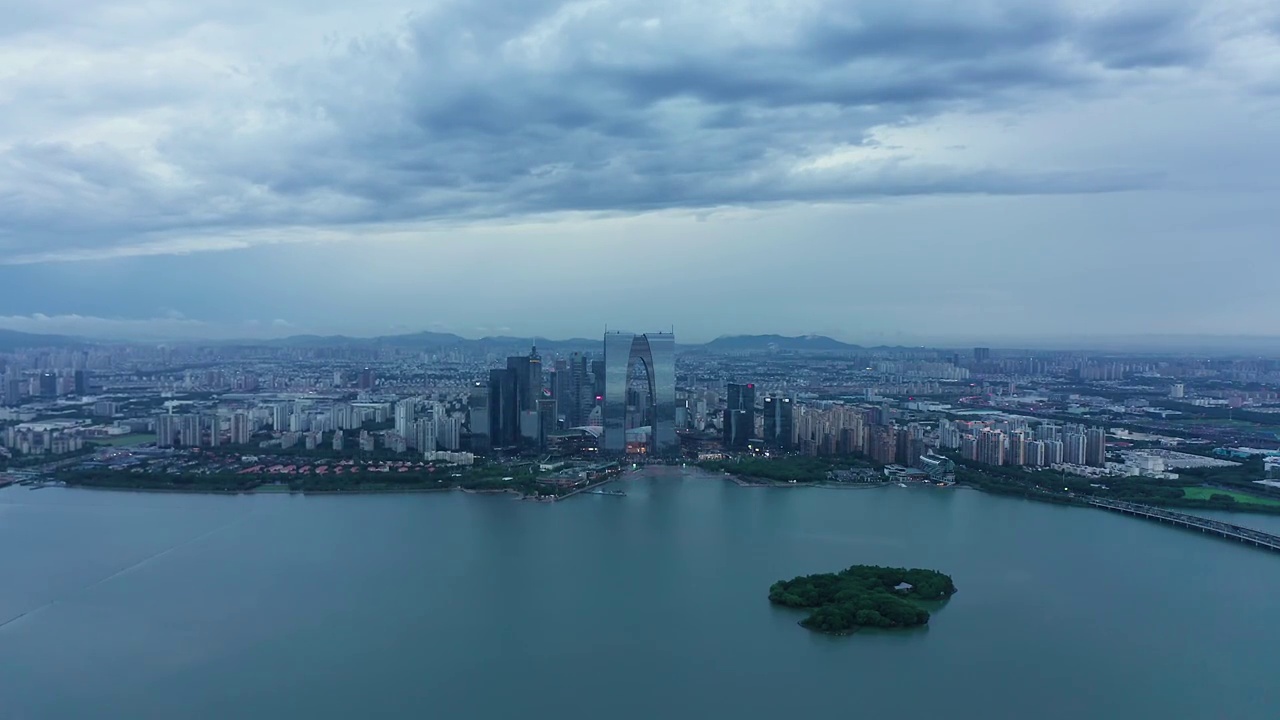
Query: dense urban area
{"points": [[546, 419]]}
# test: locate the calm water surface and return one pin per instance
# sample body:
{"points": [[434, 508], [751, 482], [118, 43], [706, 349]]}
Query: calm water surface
{"points": [[123, 605]]}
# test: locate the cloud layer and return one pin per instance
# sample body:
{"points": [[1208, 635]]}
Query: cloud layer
{"points": [[152, 128]]}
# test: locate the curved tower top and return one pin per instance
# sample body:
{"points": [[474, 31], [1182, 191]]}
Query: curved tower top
{"points": [[655, 352]]}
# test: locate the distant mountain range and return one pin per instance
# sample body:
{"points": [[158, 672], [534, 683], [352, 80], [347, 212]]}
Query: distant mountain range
{"points": [[767, 343], [440, 341], [421, 341], [730, 344], [13, 340]]}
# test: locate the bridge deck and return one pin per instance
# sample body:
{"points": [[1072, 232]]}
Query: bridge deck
{"points": [[1193, 522]]}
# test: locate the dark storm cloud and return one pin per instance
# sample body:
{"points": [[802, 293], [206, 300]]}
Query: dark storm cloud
{"points": [[503, 108]]}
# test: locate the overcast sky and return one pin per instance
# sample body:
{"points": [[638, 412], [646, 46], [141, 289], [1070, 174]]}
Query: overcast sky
{"points": [[873, 170]]}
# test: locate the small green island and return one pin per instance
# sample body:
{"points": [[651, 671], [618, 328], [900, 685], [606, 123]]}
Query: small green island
{"points": [[863, 596]]}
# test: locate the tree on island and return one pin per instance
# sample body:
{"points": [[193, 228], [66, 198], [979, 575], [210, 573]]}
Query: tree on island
{"points": [[863, 596]]}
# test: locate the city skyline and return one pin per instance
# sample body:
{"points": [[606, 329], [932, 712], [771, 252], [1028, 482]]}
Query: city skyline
{"points": [[1045, 170]]}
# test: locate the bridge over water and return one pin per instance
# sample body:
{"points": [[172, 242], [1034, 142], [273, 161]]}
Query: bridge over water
{"points": [[1192, 522]]}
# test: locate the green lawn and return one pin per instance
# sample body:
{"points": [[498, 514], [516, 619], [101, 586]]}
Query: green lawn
{"points": [[124, 440], [1203, 493]]}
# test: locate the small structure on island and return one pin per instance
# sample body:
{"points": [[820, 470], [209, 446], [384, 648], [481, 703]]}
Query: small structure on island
{"points": [[904, 587]]}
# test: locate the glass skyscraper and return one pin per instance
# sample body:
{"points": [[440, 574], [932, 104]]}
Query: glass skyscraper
{"points": [[656, 354], [740, 415], [504, 408], [779, 422]]}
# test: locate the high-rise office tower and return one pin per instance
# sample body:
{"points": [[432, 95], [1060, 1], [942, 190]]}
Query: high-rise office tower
{"points": [[527, 371], [597, 385], [529, 427], [562, 391], [1096, 447], [584, 386], [739, 415], [478, 418], [736, 429], [546, 420], [535, 386], [504, 408], [82, 382], [981, 354], [48, 385], [741, 396], [779, 423], [366, 379], [581, 392], [655, 354], [519, 367]]}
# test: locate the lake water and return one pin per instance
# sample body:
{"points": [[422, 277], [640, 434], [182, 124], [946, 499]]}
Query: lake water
{"points": [[647, 606]]}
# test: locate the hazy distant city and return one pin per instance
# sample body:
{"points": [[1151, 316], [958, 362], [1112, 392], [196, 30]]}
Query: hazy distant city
{"points": [[551, 418]]}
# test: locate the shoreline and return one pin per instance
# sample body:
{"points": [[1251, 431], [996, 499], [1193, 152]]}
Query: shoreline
{"points": [[585, 488], [164, 491], [503, 491], [744, 482], [750, 482], [182, 491]]}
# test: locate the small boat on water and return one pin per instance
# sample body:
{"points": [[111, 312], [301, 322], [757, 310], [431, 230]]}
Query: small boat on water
{"points": [[902, 484]]}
